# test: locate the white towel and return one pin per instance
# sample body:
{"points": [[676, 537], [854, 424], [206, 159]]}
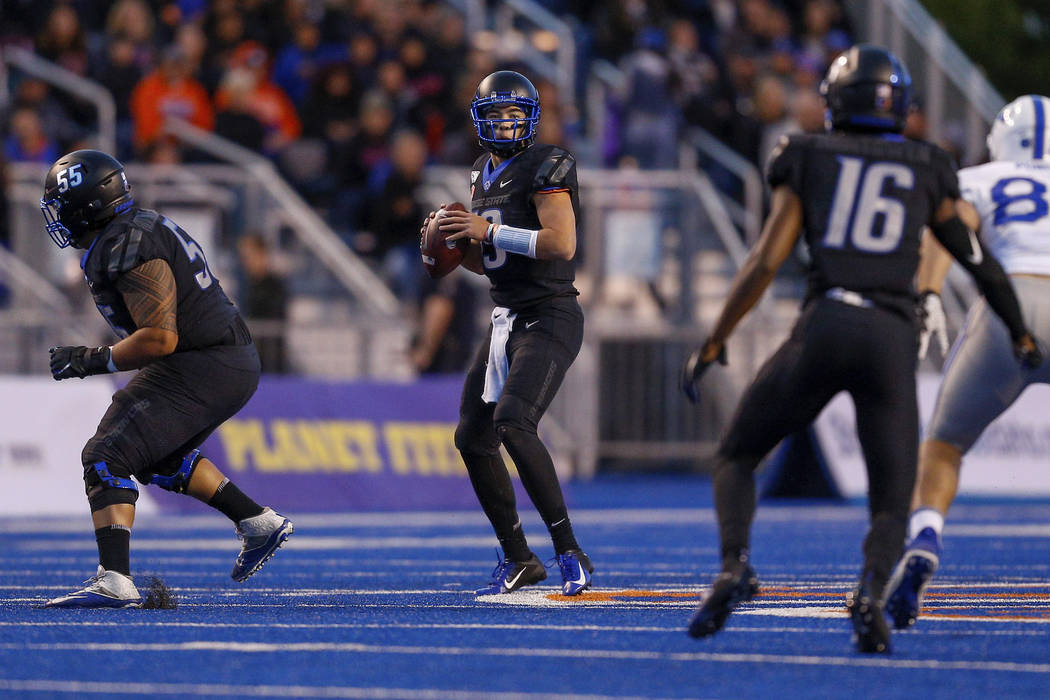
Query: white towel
{"points": [[496, 372]]}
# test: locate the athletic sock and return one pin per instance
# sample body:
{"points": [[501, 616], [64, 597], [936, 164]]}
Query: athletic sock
{"points": [[114, 548], [231, 502], [562, 535], [924, 518], [515, 546]]}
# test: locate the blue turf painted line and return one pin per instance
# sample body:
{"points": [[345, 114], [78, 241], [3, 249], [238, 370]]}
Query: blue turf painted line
{"points": [[331, 619]]}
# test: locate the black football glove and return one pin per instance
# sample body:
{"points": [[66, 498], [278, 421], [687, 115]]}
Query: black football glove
{"points": [[78, 361], [1027, 351], [694, 368]]}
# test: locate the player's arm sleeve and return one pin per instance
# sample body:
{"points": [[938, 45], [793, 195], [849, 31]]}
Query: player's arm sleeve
{"points": [[966, 247]]}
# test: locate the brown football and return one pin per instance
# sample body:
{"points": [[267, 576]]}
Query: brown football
{"points": [[439, 256]]}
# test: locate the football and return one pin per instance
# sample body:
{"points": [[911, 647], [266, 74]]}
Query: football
{"points": [[439, 256]]}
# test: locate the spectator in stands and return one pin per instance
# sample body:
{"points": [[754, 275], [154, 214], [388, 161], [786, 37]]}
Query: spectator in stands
{"points": [[119, 72], [355, 161], [27, 141], [448, 324], [236, 119], [696, 82], [62, 40], [363, 50], [298, 64], [772, 112], [225, 30], [133, 21], [650, 129], [193, 43], [393, 217], [807, 109], [169, 91], [266, 101], [821, 41], [459, 145], [57, 120], [330, 113], [264, 297]]}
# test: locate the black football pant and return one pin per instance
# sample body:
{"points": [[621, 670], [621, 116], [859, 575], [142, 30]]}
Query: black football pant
{"points": [[169, 408], [542, 345], [868, 352]]}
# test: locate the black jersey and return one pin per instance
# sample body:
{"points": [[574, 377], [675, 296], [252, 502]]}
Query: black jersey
{"points": [[204, 315], [865, 200], [503, 194]]}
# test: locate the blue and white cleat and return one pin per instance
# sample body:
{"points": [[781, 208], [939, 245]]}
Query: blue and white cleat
{"points": [[261, 536], [106, 589], [509, 576], [576, 569], [910, 577]]}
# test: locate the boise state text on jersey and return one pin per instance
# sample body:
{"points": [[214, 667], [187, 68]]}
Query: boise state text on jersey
{"points": [[503, 195], [204, 314], [865, 200]]}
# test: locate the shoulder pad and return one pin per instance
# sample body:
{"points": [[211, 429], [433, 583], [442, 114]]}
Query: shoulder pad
{"points": [[553, 169], [126, 248]]}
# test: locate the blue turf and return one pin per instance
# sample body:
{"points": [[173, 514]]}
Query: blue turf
{"points": [[381, 606]]}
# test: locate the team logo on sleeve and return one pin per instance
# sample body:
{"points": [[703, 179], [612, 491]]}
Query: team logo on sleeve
{"points": [[474, 176]]}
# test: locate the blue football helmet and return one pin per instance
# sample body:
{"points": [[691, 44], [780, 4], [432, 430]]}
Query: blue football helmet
{"points": [[867, 88], [501, 88], [83, 191]]}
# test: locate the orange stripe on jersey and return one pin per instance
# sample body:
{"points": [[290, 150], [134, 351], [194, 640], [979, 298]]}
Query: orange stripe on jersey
{"points": [[552, 191]]}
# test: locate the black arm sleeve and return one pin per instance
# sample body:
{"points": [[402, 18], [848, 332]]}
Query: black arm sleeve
{"points": [[991, 279]]}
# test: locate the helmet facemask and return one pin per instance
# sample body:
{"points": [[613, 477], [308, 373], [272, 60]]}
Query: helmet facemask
{"points": [[500, 90]]}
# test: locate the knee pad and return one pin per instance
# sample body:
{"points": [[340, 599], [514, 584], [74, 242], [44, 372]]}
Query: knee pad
{"points": [[512, 412], [471, 440], [180, 479], [105, 489]]}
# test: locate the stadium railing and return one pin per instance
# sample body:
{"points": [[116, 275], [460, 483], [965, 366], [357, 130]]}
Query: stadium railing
{"points": [[959, 102], [88, 90]]}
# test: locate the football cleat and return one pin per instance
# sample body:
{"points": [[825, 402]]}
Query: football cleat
{"points": [[106, 589], [730, 589], [261, 536], [509, 576], [910, 578], [871, 634], [576, 569]]}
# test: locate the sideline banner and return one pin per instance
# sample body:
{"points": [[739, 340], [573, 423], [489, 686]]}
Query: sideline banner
{"points": [[315, 446], [43, 427], [1012, 457]]}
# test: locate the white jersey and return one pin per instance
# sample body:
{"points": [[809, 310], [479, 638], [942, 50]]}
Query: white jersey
{"points": [[1013, 200]]}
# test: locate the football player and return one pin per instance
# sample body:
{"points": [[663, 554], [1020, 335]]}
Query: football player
{"points": [[197, 367], [1007, 201], [860, 195], [522, 230]]}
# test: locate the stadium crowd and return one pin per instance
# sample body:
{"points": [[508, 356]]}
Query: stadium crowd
{"points": [[353, 98]]}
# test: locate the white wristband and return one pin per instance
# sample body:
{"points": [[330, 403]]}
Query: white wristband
{"points": [[109, 364], [515, 240]]}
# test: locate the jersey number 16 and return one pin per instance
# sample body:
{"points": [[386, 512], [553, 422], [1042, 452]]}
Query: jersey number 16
{"points": [[859, 201]]}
